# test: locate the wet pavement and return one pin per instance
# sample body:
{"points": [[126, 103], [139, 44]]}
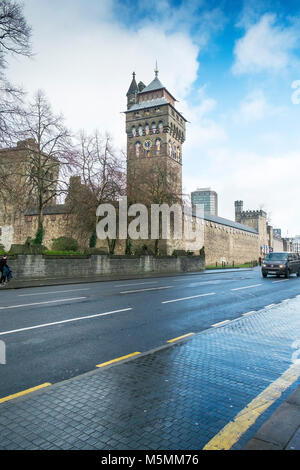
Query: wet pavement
{"points": [[189, 395]]}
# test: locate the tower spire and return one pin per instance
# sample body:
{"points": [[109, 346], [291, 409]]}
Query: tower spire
{"points": [[156, 70]]}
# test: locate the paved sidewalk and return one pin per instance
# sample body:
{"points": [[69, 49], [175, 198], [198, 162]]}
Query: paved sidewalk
{"points": [[177, 397], [282, 430]]}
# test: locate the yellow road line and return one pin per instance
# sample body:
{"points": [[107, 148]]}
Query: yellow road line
{"points": [[180, 337], [118, 359], [233, 431], [25, 392]]}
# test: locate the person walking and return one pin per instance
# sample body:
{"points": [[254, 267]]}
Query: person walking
{"points": [[6, 273]]}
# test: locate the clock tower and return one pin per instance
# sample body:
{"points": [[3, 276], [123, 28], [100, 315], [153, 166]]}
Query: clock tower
{"points": [[155, 134]]}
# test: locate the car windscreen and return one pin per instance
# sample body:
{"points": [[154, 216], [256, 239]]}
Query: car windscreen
{"points": [[277, 256]]}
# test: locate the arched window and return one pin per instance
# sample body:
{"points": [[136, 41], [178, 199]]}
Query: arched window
{"points": [[140, 130], [153, 127], [157, 146], [174, 151], [133, 131], [138, 147], [160, 127], [147, 129]]}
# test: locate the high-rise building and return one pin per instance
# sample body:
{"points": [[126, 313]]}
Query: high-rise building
{"points": [[206, 197]]}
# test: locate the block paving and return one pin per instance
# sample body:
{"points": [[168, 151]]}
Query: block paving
{"points": [[177, 397]]}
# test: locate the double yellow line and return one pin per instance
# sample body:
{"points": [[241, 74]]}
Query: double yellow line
{"points": [[234, 430]]}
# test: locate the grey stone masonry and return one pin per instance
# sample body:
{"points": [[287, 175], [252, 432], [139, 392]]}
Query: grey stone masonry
{"points": [[39, 266]]}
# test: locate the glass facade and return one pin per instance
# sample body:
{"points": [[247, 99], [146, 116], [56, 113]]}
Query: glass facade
{"points": [[208, 198]]}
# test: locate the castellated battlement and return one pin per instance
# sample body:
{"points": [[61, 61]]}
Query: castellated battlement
{"points": [[251, 214]]}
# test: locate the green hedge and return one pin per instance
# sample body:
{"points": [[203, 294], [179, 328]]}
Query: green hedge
{"points": [[27, 249], [62, 252], [64, 244]]}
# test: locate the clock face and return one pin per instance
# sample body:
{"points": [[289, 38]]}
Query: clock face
{"points": [[147, 144]]}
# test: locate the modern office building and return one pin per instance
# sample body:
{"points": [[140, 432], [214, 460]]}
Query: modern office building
{"points": [[208, 198]]}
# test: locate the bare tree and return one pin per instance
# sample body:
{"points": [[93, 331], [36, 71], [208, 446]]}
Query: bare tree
{"points": [[14, 30], [49, 154], [15, 36], [101, 178]]}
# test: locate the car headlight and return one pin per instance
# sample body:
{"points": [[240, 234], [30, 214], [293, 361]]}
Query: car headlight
{"points": [[264, 265], [282, 265]]}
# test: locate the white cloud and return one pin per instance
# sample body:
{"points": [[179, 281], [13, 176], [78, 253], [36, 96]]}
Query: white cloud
{"points": [[255, 107], [85, 64], [266, 46], [257, 179], [203, 131]]}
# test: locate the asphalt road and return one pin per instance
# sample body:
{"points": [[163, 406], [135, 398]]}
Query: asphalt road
{"points": [[58, 332]]}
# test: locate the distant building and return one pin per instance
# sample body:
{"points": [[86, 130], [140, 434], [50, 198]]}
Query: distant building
{"points": [[277, 240], [277, 232], [258, 220], [288, 244], [208, 198], [296, 244]]}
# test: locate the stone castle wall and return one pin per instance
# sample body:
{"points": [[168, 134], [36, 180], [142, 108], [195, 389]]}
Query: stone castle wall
{"points": [[39, 266], [221, 242], [224, 243], [55, 225]]}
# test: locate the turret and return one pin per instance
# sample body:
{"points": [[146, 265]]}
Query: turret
{"points": [[141, 86], [238, 205], [132, 92]]}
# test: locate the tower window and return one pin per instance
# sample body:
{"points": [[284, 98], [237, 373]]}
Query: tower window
{"points": [[157, 146], [138, 147]]}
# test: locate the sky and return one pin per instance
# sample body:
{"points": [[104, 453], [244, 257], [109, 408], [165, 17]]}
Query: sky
{"points": [[233, 65]]}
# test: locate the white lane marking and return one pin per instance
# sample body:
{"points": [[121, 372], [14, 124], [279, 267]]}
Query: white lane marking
{"points": [[187, 298], [247, 287], [136, 284], [248, 313], [42, 303], [63, 321], [221, 323], [53, 292], [144, 290], [282, 280]]}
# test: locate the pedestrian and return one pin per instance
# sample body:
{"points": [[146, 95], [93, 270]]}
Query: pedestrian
{"points": [[6, 272]]}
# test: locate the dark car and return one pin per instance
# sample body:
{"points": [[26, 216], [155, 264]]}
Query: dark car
{"points": [[281, 263]]}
